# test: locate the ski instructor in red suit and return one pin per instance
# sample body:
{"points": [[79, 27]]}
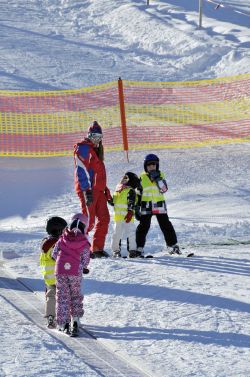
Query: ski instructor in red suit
{"points": [[90, 186]]}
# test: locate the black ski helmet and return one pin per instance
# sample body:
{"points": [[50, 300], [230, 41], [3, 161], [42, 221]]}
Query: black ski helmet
{"points": [[151, 158], [55, 225], [133, 181]]}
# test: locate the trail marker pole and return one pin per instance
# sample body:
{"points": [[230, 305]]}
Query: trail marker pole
{"points": [[123, 117]]}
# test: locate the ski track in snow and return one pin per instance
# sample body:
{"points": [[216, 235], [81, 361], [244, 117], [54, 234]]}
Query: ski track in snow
{"points": [[21, 297]]}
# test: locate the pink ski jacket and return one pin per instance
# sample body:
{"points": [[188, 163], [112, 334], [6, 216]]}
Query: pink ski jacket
{"points": [[71, 252]]}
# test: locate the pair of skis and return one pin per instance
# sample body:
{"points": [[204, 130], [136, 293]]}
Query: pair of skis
{"points": [[67, 331], [150, 256], [186, 255], [72, 334]]}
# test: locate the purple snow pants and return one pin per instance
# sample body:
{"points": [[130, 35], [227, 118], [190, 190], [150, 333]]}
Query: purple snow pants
{"points": [[69, 299]]}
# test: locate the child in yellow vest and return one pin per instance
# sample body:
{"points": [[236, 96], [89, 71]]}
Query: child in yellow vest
{"points": [[124, 201], [152, 203], [54, 227]]}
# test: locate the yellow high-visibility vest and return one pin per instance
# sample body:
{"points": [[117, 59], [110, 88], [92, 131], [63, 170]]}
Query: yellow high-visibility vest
{"points": [[47, 265], [152, 200], [121, 204]]}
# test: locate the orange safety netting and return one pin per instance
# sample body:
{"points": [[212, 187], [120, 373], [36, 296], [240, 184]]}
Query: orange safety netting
{"points": [[154, 115]]}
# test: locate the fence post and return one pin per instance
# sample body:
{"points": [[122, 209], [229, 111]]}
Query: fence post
{"points": [[123, 117]]}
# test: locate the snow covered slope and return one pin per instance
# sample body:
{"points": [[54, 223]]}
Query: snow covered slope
{"points": [[60, 44], [174, 317]]}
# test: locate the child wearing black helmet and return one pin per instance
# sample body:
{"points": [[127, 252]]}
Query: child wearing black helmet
{"points": [[124, 201], [152, 202], [54, 227]]}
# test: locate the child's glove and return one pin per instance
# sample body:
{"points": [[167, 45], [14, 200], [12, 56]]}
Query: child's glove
{"points": [[162, 185], [111, 202], [85, 270], [128, 216], [88, 196]]}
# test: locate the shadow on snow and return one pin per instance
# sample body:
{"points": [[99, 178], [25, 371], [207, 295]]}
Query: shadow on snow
{"points": [[141, 333], [163, 294]]}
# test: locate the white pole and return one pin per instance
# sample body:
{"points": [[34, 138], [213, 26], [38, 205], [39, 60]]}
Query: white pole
{"points": [[200, 14]]}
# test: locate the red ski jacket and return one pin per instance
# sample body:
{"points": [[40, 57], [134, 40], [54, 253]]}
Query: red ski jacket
{"points": [[90, 172]]}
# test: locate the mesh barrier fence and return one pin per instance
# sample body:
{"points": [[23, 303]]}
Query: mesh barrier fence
{"points": [[40, 124], [134, 115], [185, 114]]}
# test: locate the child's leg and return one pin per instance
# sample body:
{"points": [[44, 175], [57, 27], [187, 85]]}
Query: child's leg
{"points": [[167, 229], [50, 303], [142, 230], [62, 300], [76, 307], [117, 235], [130, 229]]}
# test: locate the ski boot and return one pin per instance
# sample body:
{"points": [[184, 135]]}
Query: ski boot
{"points": [[99, 254], [65, 328], [135, 254], [51, 322], [117, 254], [175, 250], [74, 331]]}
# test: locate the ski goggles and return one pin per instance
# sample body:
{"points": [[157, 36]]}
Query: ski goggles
{"points": [[125, 179], [96, 138]]}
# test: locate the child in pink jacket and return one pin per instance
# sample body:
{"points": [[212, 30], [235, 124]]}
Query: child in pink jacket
{"points": [[72, 254]]}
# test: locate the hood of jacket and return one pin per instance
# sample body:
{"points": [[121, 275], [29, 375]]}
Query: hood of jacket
{"points": [[72, 239]]}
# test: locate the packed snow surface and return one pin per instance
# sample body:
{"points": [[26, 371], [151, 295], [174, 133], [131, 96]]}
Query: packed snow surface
{"points": [[171, 316]]}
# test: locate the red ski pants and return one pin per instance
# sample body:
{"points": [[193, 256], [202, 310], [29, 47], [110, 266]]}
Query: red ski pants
{"points": [[98, 218]]}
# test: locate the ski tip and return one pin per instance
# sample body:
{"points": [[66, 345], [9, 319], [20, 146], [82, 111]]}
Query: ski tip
{"points": [[190, 255]]}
